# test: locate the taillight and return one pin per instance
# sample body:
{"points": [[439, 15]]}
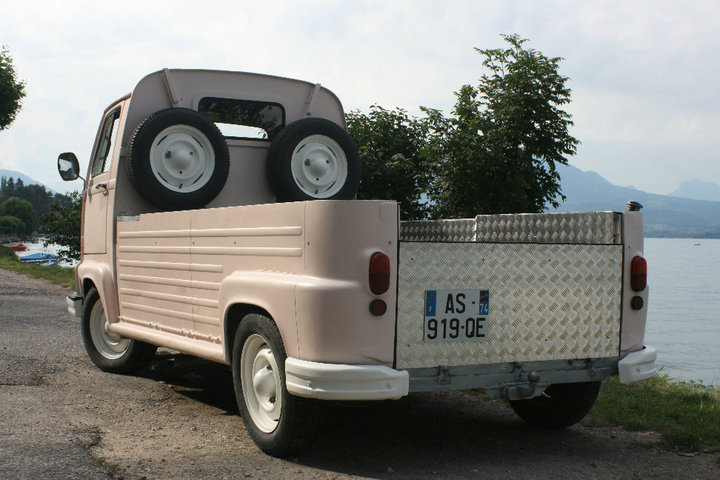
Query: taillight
{"points": [[379, 273], [638, 274]]}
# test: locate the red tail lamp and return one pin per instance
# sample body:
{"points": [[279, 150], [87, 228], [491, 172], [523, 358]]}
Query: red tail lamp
{"points": [[379, 273], [638, 274]]}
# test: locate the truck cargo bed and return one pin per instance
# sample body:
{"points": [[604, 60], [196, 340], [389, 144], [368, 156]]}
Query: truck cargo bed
{"points": [[554, 283]]}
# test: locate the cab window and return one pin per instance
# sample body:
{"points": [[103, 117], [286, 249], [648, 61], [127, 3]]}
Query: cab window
{"points": [[108, 133], [244, 118]]}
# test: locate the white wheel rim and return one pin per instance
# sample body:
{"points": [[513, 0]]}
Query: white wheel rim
{"points": [[182, 158], [319, 166], [260, 377], [107, 343]]}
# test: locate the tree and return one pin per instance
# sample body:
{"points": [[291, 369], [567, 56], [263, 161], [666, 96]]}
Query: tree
{"points": [[392, 150], [498, 152], [10, 225], [62, 225], [11, 90], [21, 209], [37, 195]]}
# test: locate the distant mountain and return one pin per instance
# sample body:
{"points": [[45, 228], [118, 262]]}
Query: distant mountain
{"points": [[13, 174], [664, 215], [698, 190]]}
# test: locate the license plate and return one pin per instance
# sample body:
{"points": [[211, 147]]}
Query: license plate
{"points": [[453, 315]]}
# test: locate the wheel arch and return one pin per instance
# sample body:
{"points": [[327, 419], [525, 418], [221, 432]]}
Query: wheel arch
{"points": [[99, 276], [268, 293], [234, 316]]}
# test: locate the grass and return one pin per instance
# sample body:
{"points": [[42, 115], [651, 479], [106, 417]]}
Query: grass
{"points": [[60, 276], [687, 414]]}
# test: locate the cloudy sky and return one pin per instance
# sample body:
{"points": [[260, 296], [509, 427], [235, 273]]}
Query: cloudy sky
{"points": [[645, 75]]}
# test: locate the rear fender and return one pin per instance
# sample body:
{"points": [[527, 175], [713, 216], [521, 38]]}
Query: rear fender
{"points": [[271, 292]]}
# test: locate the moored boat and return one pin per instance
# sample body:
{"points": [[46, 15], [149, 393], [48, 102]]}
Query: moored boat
{"points": [[40, 257], [16, 244]]}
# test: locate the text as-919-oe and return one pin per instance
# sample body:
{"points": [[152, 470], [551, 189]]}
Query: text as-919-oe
{"points": [[456, 315]]}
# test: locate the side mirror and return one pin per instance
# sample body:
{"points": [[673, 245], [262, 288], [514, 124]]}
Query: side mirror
{"points": [[68, 166]]}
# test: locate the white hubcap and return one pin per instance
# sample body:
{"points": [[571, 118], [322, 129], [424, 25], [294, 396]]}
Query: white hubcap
{"points": [[261, 385], [319, 166], [107, 343], [182, 158]]}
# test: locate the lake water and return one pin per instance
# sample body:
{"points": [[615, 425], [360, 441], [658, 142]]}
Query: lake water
{"points": [[684, 307]]}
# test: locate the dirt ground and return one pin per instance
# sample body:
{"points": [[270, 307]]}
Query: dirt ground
{"points": [[62, 418]]}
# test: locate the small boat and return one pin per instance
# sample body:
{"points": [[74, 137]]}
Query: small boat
{"points": [[38, 258], [16, 244]]}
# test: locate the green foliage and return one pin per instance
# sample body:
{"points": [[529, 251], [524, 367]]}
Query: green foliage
{"points": [[497, 154], [62, 225], [8, 254], [392, 150], [22, 210], [687, 414], [10, 225], [11, 90], [37, 195]]}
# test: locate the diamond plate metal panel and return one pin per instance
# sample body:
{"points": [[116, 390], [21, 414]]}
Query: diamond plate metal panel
{"points": [[577, 228], [548, 302], [438, 230]]}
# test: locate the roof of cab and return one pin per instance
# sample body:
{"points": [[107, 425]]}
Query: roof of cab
{"points": [[169, 88]]}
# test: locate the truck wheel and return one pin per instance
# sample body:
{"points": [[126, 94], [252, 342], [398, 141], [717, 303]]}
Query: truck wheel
{"points": [[279, 423], [109, 351], [313, 158], [178, 159], [561, 405]]}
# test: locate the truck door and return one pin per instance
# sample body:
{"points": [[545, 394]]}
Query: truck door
{"points": [[100, 186]]}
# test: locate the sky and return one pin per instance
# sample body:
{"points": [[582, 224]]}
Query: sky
{"points": [[645, 75]]}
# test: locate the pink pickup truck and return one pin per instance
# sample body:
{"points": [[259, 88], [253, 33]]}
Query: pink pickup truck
{"points": [[219, 220]]}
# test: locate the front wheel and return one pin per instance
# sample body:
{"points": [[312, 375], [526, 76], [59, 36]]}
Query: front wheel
{"points": [[279, 423], [560, 405], [108, 351]]}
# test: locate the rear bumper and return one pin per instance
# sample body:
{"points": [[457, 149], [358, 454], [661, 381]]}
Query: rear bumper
{"points": [[331, 381], [637, 366]]}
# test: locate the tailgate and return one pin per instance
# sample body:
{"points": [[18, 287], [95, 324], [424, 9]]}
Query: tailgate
{"points": [[552, 282]]}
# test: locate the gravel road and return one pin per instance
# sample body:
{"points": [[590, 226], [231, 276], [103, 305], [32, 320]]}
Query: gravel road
{"points": [[62, 418]]}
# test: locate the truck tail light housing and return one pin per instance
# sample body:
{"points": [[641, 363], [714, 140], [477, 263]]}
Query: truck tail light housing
{"points": [[379, 273], [638, 274]]}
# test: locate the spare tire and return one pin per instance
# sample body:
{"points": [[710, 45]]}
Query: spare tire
{"points": [[178, 159], [313, 158]]}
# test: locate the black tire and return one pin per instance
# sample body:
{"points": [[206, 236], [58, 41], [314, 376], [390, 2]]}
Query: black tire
{"points": [[313, 158], [286, 425], [178, 159], [561, 405], [108, 351]]}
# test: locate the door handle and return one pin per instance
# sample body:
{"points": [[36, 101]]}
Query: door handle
{"points": [[103, 187]]}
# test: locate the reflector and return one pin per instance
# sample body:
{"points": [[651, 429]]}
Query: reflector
{"points": [[378, 307]]}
